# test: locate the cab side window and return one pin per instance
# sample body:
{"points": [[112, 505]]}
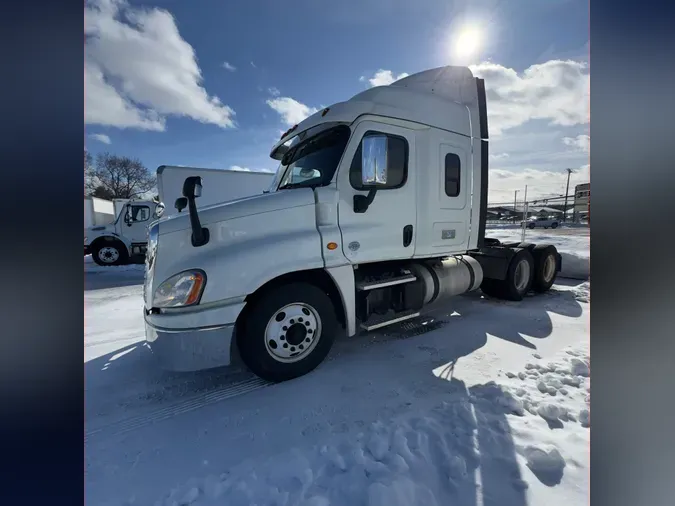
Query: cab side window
{"points": [[397, 163], [453, 171], [138, 213]]}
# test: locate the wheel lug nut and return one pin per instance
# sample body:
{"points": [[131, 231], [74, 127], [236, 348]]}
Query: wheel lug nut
{"points": [[292, 321]]}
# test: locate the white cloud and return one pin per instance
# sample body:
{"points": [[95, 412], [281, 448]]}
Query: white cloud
{"points": [[292, 112], [499, 156], [229, 66], [579, 143], [101, 138], [103, 105], [139, 70], [273, 91], [253, 65], [556, 91], [383, 78]]}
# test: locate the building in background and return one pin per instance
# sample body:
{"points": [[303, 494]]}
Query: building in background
{"points": [[582, 202]]}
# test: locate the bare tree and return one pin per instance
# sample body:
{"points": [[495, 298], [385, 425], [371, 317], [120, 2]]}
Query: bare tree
{"points": [[88, 165], [118, 177]]}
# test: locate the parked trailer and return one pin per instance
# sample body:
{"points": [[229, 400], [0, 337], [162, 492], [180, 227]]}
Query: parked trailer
{"points": [[125, 239], [97, 212], [378, 209], [220, 185]]}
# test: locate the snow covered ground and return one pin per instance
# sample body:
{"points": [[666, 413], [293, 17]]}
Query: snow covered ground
{"points": [[481, 402]]}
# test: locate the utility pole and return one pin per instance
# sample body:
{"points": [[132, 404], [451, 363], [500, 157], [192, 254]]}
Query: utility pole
{"points": [[525, 207], [515, 200], [569, 173]]}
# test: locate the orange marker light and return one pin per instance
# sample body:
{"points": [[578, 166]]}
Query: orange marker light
{"points": [[332, 245]]}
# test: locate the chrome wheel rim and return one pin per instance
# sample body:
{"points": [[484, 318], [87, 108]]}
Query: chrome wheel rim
{"points": [[522, 275], [108, 255], [292, 332], [549, 268]]}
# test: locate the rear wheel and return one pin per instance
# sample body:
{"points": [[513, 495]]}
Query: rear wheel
{"points": [[109, 253], [288, 332], [555, 225], [545, 267], [531, 225], [519, 278]]}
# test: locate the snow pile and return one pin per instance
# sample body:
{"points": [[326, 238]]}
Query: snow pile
{"points": [[508, 443], [572, 244]]}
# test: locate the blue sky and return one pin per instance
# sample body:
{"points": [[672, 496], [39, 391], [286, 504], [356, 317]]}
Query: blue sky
{"points": [[213, 83]]}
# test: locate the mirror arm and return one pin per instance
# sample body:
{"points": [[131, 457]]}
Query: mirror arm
{"points": [[363, 202], [200, 235]]}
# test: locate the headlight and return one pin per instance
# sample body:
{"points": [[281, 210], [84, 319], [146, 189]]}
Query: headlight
{"points": [[183, 289]]}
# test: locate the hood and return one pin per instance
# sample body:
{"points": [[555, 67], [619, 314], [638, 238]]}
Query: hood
{"points": [[247, 206], [100, 228]]}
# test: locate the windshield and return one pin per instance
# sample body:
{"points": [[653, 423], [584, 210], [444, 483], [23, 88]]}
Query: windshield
{"points": [[312, 162]]}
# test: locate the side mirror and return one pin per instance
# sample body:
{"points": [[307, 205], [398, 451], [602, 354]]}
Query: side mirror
{"points": [[127, 215], [373, 170], [181, 203], [374, 160], [159, 210], [192, 187]]}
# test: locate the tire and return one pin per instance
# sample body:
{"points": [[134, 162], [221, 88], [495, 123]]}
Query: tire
{"points": [[109, 253], [545, 265], [531, 226], [314, 326], [514, 287], [490, 287], [554, 225]]}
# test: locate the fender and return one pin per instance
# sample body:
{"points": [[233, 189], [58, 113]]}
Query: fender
{"points": [[343, 277]]}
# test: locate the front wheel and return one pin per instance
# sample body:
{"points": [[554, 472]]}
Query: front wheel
{"points": [[555, 225], [531, 225], [288, 332], [109, 253]]}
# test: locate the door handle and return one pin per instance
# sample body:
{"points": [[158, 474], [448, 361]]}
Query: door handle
{"points": [[407, 235]]}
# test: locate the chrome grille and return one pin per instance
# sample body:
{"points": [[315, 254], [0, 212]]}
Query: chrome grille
{"points": [[150, 256]]}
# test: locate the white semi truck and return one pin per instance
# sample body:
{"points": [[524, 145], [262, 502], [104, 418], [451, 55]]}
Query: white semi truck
{"points": [[378, 209], [125, 238]]}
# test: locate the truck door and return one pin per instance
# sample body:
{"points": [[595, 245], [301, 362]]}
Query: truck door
{"points": [[136, 221], [387, 229]]}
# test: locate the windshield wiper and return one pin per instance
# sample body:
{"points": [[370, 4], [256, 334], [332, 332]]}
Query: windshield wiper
{"points": [[303, 184]]}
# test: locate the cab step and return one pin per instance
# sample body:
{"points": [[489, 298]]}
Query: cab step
{"points": [[382, 283], [375, 322]]}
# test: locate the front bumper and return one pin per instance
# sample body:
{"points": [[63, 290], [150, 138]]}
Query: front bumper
{"points": [[192, 341]]}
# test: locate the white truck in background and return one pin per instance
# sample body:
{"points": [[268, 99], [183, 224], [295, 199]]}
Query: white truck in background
{"points": [[377, 210], [125, 238]]}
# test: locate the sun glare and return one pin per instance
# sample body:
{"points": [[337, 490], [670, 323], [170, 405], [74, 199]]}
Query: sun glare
{"points": [[467, 43]]}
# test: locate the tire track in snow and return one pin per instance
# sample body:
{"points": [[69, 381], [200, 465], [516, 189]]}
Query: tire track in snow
{"points": [[192, 404]]}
